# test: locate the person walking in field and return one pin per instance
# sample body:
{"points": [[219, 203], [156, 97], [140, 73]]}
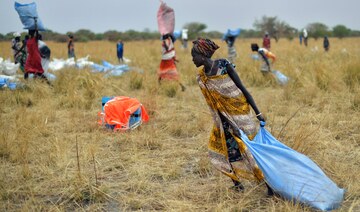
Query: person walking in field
{"points": [[184, 38], [326, 43], [19, 50], [230, 103], [71, 47], [266, 41], [33, 61], [229, 37], [230, 41], [167, 69], [305, 37], [265, 56], [120, 51]]}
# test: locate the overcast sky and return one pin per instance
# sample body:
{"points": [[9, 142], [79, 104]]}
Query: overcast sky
{"points": [[121, 15]]}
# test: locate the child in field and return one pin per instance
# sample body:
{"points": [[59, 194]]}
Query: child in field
{"points": [[71, 48], [120, 51]]}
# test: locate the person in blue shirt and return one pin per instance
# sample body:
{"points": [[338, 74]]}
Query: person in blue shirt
{"points": [[326, 43], [120, 51]]}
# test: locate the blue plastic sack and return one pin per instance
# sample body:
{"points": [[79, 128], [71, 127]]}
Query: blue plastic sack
{"points": [[3, 82], [231, 32], [177, 34], [12, 85], [105, 99], [28, 13], [98, 68], [107, 64], [50, 76], [114, 73], [280, 77], [255, 57], [293, 175], [123, 67], [135, 119], [117, 70]]}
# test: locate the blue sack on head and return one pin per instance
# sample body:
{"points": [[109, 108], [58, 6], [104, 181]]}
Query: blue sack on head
{"points": [[28, 14], [231, 32], [291, 174]]}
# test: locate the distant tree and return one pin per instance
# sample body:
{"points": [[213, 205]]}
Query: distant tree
{"points": [[341, 31], [69, 33], [283, 29], [2, 37], [61, 38], [55, 36], [274, 27], [317, 30], [355, 33], [147, 30], [136, 35], [194, 29], [266, 24], [250, 33], [99, 36], [112, 35], [213, 34], [148, 35], [9, 36], [84, 35]]}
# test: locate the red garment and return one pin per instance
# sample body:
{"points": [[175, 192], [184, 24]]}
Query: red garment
{"points": [[266, 42], [168, 70], [33, 60]]}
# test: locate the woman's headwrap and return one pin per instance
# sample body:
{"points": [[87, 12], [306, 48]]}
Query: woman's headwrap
{"points": [[205, 47]]}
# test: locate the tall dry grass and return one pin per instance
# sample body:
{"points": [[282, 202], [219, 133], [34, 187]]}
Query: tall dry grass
{"points": [[54, 157]]}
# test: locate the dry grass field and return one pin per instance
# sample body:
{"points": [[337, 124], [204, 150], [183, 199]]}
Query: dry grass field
{"points": [[54, 156]]}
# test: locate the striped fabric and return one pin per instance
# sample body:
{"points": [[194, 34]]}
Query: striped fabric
{"points": [[226, 100]]}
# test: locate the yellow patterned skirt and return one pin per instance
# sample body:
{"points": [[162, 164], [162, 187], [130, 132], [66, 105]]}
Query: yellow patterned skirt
{"points": [[226, 100]]}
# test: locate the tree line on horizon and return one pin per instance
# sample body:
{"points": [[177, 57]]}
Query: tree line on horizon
{"points": [[275, 27]]}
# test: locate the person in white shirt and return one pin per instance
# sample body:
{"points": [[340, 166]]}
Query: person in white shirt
{"points": [[184, 37], [305, 36]]}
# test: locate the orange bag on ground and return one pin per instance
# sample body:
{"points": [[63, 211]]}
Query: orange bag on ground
{"points": [[123, 113]]}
